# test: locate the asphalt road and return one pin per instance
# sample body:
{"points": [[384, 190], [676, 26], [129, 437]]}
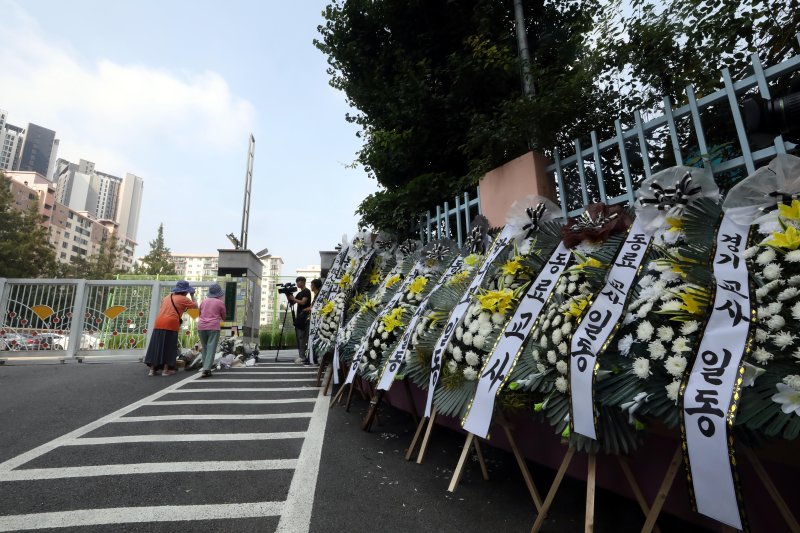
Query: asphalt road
{"points": [[254, 449]]}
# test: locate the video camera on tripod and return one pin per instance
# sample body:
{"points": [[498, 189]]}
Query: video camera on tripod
{"points": [[287, 288]]}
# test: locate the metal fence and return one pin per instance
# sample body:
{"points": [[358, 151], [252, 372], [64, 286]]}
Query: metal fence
{"points": [[708, 131], [451, 222], [75, 319]]}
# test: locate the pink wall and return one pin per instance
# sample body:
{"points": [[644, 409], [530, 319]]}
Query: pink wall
{"points": [[516, 179]]}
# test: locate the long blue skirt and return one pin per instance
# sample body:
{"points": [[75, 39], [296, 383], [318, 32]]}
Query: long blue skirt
{"points": [[162, 350]]}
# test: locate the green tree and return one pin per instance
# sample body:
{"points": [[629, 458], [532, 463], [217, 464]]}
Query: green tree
{"points": [[101, 265], [157, 261], [25, 250], [437, 89]]}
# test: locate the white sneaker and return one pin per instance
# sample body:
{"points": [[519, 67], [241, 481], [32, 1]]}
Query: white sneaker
{"points": [[299, 361]]}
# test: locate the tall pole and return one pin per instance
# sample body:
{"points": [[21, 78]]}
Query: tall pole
{"points": [[524, 54], [248, 183]]}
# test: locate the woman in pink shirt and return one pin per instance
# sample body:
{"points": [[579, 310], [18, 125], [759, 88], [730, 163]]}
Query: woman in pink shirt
{"points": [[212, 313]]}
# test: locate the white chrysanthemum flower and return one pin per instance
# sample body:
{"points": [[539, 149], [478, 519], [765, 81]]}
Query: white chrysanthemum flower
{"points": [[561, 384], [795, 280], [478, 341], [556, 321], [766, 257], [380, 328], [751, 252], [774, 308], [449, 347], [541, 368], [644, 331], [624, 344], [657, 350], [584, 289], [474, 327], [452, 366], [643, 310], [675, 365], [536, 355], [552, 357], [689, 327], [475, 309], [384, 335], [665, 333], [776, 322], [457, 353], [384, 346], [641, 367], [376, 343], [373, 354], [561, 366], [668, 275], [550, 314], [467, 338], [646, 281], [793, 256], [362, 365], [485, 329], [761, 292], [470, 374], [562, 348], [672, 390], [629, 317], [408, 356], [649, 293], [372, 368], [557, 336], [573, 277], [497, 318], [761, 335], [796, 311], [543, 341], [772, 271], [789, 293], [671, 305], [485, 318], [763, 313], [421, 329], [560, 288], [783, 339], [681, 345], [467, 321], [472, 358], [761, 355], [566, 328], [571, 288], [459, 332], [793, 381]]}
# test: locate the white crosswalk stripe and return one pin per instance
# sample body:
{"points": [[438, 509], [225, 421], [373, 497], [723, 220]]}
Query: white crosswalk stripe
{"points": [[139, 441]]}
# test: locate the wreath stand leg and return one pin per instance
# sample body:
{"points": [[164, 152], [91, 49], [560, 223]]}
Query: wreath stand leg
{"points": [[551, 494], [523, 466], [328, 381], [338, 394], [663, 491], [772, 490], [591, 489], [320, 372], [372, 413], [424, 446], [471, 441], [413, 445], [637, 491], [410, 398], [350, 395]]}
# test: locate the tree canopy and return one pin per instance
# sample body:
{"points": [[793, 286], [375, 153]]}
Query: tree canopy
{"points": [[158, 260], [25, 250], [437, 92]]}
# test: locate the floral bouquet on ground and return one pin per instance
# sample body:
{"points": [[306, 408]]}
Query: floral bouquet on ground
{"points": [[647, 358], [436, 256], [371, 303], [542, 370], [768, 199]]}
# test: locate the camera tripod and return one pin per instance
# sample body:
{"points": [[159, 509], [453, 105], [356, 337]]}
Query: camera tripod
{"points": [[283, 325]]}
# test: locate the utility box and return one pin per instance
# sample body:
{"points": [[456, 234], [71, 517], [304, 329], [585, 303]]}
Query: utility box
{"points": [[243, 269]]}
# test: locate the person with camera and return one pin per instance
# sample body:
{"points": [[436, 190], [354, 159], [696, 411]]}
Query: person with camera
{"points": [[302, 317], [162, 351]]}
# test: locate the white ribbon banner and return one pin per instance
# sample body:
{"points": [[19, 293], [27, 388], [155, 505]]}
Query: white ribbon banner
{"points": [[479, 416], [326, 289], [457, 314], [395, 361], [708, 399], [597, 325], [362, 348], [335, 359]]}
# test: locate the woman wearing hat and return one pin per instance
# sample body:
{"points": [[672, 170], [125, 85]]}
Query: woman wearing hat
{"points": [[163, 348], [212, 313]]}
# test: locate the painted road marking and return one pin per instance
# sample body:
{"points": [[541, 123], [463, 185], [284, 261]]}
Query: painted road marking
{"points": [[156, 418], [191, 437]]}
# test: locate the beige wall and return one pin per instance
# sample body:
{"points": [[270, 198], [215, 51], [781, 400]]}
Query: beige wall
{"points": [[501, 187]]}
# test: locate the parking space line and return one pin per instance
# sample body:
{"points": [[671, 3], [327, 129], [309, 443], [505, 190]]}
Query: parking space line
{"points": [[254, 402], [31, 474], [245, 389], [127, 515], [156, 418], [189, 437]]}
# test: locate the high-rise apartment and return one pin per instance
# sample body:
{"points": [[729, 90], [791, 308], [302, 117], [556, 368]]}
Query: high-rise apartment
{"points": [[11, 140], [269, 282], [39, 151]]}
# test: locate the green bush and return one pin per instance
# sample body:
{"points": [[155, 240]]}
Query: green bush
{"points": [[268, 339]]}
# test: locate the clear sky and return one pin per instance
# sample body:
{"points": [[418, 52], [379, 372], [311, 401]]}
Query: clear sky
{"points": [[170, 90]]}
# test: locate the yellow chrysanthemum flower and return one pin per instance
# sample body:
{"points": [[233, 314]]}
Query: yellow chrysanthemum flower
{"points": [[393, 319], [392, 281], [692, 302], [472, 259], [459, 277], [327, 308], [344, 281], [511, 267], [590, 262], [496, 301], [786, 240], [790, 212], [375, 277], [577, 306], [675, 224], [369, 304], [418, 285]]}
